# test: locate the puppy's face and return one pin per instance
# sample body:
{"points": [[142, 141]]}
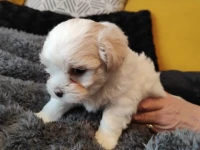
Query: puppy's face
{"points": [[79, 56]]}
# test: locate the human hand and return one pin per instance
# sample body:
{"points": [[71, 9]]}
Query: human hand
{"points": [[168, 113]]}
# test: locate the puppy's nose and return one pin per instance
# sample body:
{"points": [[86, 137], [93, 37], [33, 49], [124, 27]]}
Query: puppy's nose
{"points": [[58, 93]]}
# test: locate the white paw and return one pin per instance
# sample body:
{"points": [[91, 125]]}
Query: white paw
{"points": [[43, 116], [106, 140]]}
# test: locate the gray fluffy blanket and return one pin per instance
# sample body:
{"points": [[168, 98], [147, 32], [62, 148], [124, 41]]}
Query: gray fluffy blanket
{"points": [[23, 92]]}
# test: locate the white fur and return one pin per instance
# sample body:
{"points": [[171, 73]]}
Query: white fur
{"points": [[115, 80]]}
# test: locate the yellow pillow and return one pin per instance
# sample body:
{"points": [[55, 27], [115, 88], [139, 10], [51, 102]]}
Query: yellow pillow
{"points": [[19, 2], [176, 31]]}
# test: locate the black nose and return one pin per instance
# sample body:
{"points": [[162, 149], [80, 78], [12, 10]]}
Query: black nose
{"points": [[58, 93]]}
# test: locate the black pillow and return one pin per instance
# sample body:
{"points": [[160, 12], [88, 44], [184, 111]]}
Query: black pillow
{"points": [[136, 25]]}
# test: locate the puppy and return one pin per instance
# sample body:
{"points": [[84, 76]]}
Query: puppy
{"points": [[90, 63]]}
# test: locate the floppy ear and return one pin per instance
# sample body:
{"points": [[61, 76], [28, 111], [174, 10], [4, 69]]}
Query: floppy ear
{"points": [[113, 45]]}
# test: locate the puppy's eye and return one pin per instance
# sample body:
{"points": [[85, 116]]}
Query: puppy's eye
{"points": [[78, 71]]}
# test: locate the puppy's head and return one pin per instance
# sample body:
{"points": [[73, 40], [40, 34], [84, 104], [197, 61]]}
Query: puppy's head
{"points": [[79, 56]]}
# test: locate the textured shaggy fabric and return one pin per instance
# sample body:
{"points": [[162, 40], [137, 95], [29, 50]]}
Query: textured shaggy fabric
{"points": [[22, 92], [177, 140], [136, 25]]}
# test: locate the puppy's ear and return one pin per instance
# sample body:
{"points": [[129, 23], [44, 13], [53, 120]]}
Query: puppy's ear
{"points": [[113, 45]]}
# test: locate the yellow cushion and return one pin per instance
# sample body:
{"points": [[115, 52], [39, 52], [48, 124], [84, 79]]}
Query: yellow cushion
{"points": [[19, 2], [176, 31]]}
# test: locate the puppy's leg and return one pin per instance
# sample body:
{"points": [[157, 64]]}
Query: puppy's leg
{"points": [[54, 110], [115, 119]]}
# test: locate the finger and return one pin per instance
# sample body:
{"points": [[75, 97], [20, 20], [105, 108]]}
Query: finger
{"points": [[150, 104], [147, 117]]}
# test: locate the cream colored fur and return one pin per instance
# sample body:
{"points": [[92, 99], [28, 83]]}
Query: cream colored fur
{"points": [[116, 78]]}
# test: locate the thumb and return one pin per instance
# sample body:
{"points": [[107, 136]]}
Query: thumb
{"points": [[150, 104]]}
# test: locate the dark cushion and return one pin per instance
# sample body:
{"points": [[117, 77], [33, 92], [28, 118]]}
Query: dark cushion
{"points": [[136, 25], [183, 84]]}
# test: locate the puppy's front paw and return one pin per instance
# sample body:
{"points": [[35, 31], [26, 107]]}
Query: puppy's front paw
{"points": [[43, 116], [106, 140]]}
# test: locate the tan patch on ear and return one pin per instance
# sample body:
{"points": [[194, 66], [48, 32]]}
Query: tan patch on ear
{"points": [[113, 45], [87, 54], [115, 53]]}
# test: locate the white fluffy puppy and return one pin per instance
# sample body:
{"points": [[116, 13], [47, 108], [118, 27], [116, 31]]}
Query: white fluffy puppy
{"points": [[91, 64]]}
